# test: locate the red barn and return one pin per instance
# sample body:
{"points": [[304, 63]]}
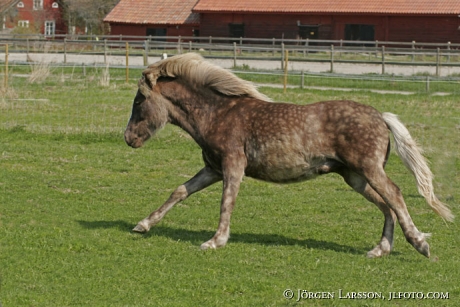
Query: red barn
{"points": [[154, 17], [42, 16], [383, 20]]}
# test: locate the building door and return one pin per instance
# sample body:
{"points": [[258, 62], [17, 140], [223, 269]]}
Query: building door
{"points": [[310, 32], [356, 32], [156, 32], [236, 30]]}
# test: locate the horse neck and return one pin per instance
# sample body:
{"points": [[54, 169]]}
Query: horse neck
{"points": [[193, 109]]}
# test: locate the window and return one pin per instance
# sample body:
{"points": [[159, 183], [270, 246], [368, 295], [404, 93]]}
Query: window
{"points": [[359, 32], [20, 4], [23, 23], [157, 32], [55, 5], [309, 31], [236, 30], [38, 4], [50, 28]]}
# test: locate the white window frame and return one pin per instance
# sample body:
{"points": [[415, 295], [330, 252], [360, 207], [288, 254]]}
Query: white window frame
{"points": [[20, 5], [38, 5], [50, 28], [23, 23], [55, 5]]}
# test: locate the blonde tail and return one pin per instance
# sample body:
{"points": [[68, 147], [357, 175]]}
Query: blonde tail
{"points": [[411, 155]]}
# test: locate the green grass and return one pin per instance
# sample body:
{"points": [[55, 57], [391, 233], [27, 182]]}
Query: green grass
{"points": [[71, 191]]}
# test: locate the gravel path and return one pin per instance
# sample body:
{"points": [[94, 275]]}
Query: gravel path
{"points": [[314, 67]]}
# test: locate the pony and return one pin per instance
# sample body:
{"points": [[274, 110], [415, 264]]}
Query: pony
{"points": [[243, 133]]}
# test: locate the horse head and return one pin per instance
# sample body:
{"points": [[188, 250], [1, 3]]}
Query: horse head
{"points": [[149, 113], [150, 107]]}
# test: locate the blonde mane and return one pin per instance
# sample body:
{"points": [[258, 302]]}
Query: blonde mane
{"points": [[201, 73]]}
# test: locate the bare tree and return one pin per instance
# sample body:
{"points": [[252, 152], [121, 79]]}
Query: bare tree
{"points": [[87, 15]]}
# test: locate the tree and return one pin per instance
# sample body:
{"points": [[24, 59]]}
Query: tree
{"points": [[87, 15]]}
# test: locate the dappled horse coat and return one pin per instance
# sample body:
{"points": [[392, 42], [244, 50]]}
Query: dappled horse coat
{"points": [[241, 132]]}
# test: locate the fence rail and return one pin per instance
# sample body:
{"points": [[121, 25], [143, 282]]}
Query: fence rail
{"points": [[320, 51], [261, 54]]}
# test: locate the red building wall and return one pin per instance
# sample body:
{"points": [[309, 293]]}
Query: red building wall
{"points": [[141, 30], [436, 29], [47, 12], [386, 28]]}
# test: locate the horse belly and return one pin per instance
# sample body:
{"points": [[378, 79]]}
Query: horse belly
{"points": [[281, 165]]}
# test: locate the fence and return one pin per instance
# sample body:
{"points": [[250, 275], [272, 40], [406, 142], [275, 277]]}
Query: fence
{"points": [[319, 64], [332, 52]]}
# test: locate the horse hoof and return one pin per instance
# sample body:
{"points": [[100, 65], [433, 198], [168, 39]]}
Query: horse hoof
{"points": [[208, 245], [424, 249], [377, 252], [140, 227]]}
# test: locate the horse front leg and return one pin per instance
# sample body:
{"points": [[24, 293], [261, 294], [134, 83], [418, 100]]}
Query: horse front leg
{"points": [[201, 180], [233, 175]]}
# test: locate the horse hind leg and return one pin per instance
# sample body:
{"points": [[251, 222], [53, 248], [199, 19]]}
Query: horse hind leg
{"points": [[392, 196], [360, 185]]}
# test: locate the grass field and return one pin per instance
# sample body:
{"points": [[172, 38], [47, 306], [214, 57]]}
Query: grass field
{"points": [[71, 191]]}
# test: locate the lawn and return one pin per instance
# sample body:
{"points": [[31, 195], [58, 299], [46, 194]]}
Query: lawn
{"points": [[71, 191]]}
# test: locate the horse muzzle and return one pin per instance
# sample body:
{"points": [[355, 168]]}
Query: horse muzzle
{"points": [[133, 140]]}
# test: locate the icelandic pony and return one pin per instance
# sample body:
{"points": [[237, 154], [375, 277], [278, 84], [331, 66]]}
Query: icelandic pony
{"points": [[241, 132]]}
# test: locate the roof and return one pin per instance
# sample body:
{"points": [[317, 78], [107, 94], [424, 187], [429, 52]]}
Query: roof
{"points": [[424, 7], [174, 12]]}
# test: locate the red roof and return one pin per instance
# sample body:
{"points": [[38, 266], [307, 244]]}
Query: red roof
{"points": [[449, 7], [173, 12]]}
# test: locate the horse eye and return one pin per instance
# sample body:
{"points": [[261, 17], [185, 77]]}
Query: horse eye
{"points": [[139, 98]]}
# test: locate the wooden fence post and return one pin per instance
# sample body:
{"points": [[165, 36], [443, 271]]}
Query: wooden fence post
{"points": [[307, 45], [332, 58], [146, 53], [286, 60], [65, 50], [282, 56], [438, 59], [234, 54], [302, 79], [448, 50], [383, 60], [6, 67], [210, 44], [127, 62], [341, 47], [105, 51]]}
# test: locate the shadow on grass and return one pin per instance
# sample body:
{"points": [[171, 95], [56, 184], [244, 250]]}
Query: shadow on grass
{"points": [[197, 237]]}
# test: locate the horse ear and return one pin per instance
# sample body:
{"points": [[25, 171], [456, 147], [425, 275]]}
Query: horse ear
{"points": [[151, 77], [147, 82], [144, 86]]}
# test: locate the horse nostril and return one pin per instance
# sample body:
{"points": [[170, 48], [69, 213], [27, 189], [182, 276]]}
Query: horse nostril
{"points": [[129, 139]]}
